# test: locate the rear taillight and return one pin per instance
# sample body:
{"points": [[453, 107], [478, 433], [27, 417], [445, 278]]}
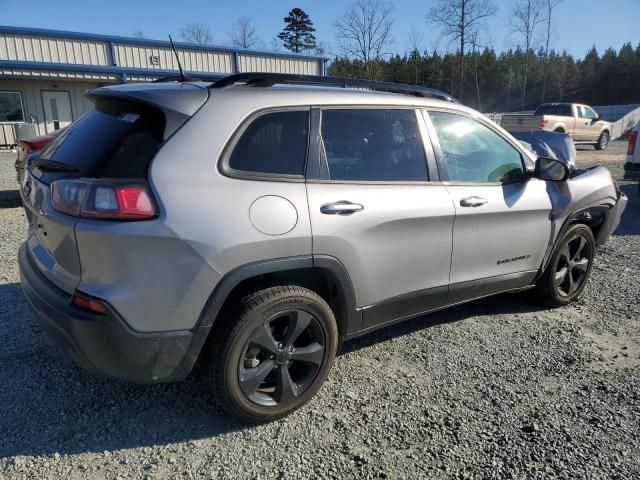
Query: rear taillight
{"points": [[103, 199], [633, 138], [543, 123]]}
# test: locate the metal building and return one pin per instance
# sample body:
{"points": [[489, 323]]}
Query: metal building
{"points": [[44, 73]]}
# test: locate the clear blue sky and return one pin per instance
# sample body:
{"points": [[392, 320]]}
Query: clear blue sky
{"points": [[579, 23]]}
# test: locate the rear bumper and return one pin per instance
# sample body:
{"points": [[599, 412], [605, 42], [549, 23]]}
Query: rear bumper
{"points": [[613, 219], [631, 171], [105, 344]]}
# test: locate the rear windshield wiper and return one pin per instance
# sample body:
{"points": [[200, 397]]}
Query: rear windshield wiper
{"points": [[51, 166]]}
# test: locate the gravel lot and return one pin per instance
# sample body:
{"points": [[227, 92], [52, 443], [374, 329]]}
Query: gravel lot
{"points": [[499, 388]]}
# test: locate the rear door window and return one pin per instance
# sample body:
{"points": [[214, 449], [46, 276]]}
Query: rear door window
{"points": [[116, 139], [559, 110], [373, 145], [273, 144]]}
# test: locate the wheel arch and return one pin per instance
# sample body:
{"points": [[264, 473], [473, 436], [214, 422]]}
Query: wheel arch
{"points": [[593, 216], [325, 275]]}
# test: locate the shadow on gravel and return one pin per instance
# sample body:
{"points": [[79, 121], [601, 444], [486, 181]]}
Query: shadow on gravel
{"points": [[501, 304], [630, 222], [10, 199], [49, 405]]}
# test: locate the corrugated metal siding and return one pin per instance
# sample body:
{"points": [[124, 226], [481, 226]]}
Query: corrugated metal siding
{"points": [[58, 50], [255, 63], [139, 56]]}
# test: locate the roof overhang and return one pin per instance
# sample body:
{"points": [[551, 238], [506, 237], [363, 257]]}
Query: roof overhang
{"points": [[92, 72]]}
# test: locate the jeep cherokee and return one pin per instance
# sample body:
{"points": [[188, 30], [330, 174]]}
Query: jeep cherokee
{"points": [[255, 223]]}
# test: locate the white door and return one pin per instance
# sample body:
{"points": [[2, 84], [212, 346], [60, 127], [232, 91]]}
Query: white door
{"points": [[57, 110]]}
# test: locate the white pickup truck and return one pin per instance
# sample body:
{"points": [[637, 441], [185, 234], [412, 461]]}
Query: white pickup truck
{"points": [[581, 122]]}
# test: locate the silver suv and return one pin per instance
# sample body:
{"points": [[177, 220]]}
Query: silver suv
{"points": [[253, 224]]}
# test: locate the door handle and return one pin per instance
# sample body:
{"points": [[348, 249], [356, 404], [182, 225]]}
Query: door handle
{"points": [[341, 207], [473, 201]]}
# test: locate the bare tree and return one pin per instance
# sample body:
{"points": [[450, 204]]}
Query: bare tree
{"points": [[459, 20], [416, 40], [275, 45], [364, 32], [140, 34], [242, 34], [475, 50], [322, 48], [196, 33], [527, 16], [549, 6]]}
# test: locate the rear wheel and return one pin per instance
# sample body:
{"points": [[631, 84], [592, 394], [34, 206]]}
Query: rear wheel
{"points": [[603, 141], [569, 268], [270, 357]]}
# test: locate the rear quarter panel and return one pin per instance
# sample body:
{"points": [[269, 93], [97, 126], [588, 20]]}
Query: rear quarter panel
{"points": [[210, 211]]}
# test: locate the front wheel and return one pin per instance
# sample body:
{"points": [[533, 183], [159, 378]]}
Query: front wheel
{"points": [[603, 141], [569, 268], [270, 357]]}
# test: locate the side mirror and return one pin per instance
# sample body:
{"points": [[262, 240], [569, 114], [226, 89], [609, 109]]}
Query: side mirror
{"points": [[551, 169]]}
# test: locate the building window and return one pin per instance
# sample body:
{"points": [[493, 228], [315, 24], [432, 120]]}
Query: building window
{"points": [[11, 107]]}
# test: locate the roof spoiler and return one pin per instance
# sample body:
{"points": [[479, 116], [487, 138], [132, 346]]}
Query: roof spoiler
{"points": [[265, 80]]}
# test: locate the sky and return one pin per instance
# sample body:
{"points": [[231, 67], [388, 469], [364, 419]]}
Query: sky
{"points": [[579, 24]]}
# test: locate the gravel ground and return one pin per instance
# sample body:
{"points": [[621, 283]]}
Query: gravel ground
{"points": [[499, 388]]}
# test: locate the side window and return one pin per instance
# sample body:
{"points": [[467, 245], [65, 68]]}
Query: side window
{"points": [[588, 113], [274, 143], [373, 145], [472, 152], [564, 111]]}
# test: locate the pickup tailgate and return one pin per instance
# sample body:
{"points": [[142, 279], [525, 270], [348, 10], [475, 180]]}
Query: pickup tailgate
{"points": [[521, 123]]}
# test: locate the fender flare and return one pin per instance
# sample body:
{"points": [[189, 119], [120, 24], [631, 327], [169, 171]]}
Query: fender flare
{"points": [[606, 210], [328, 264]]}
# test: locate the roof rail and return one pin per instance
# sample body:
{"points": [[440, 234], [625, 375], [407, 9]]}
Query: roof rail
{"points": [[265, 80]]}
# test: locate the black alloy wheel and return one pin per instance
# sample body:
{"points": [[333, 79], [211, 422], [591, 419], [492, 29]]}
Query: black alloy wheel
{"points": [[281, 358], [569, 267], [572, 266], [270, 352]]}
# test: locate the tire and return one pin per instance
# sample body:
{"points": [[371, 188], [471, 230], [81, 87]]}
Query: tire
{"points": [[603, 141], [569, 268], [272, 354], [558, 130]]}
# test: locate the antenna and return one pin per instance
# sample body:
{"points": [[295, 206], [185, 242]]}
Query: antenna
{"points": [[173, 47]]}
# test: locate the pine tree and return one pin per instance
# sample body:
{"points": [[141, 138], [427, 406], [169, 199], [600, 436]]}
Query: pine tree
{"points": [[297, 35]]}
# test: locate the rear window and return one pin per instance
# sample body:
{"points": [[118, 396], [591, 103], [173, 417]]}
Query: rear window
{"points": [[116, 139], [274, 143], [559, 110]]}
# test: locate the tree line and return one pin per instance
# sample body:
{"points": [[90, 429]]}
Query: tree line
{"points": [[494, 82], [522, 77]]}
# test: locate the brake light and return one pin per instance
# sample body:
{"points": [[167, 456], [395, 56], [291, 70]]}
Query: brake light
{"points": [[543, 123], [633, 139], [105, 200], [84, 302]]}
